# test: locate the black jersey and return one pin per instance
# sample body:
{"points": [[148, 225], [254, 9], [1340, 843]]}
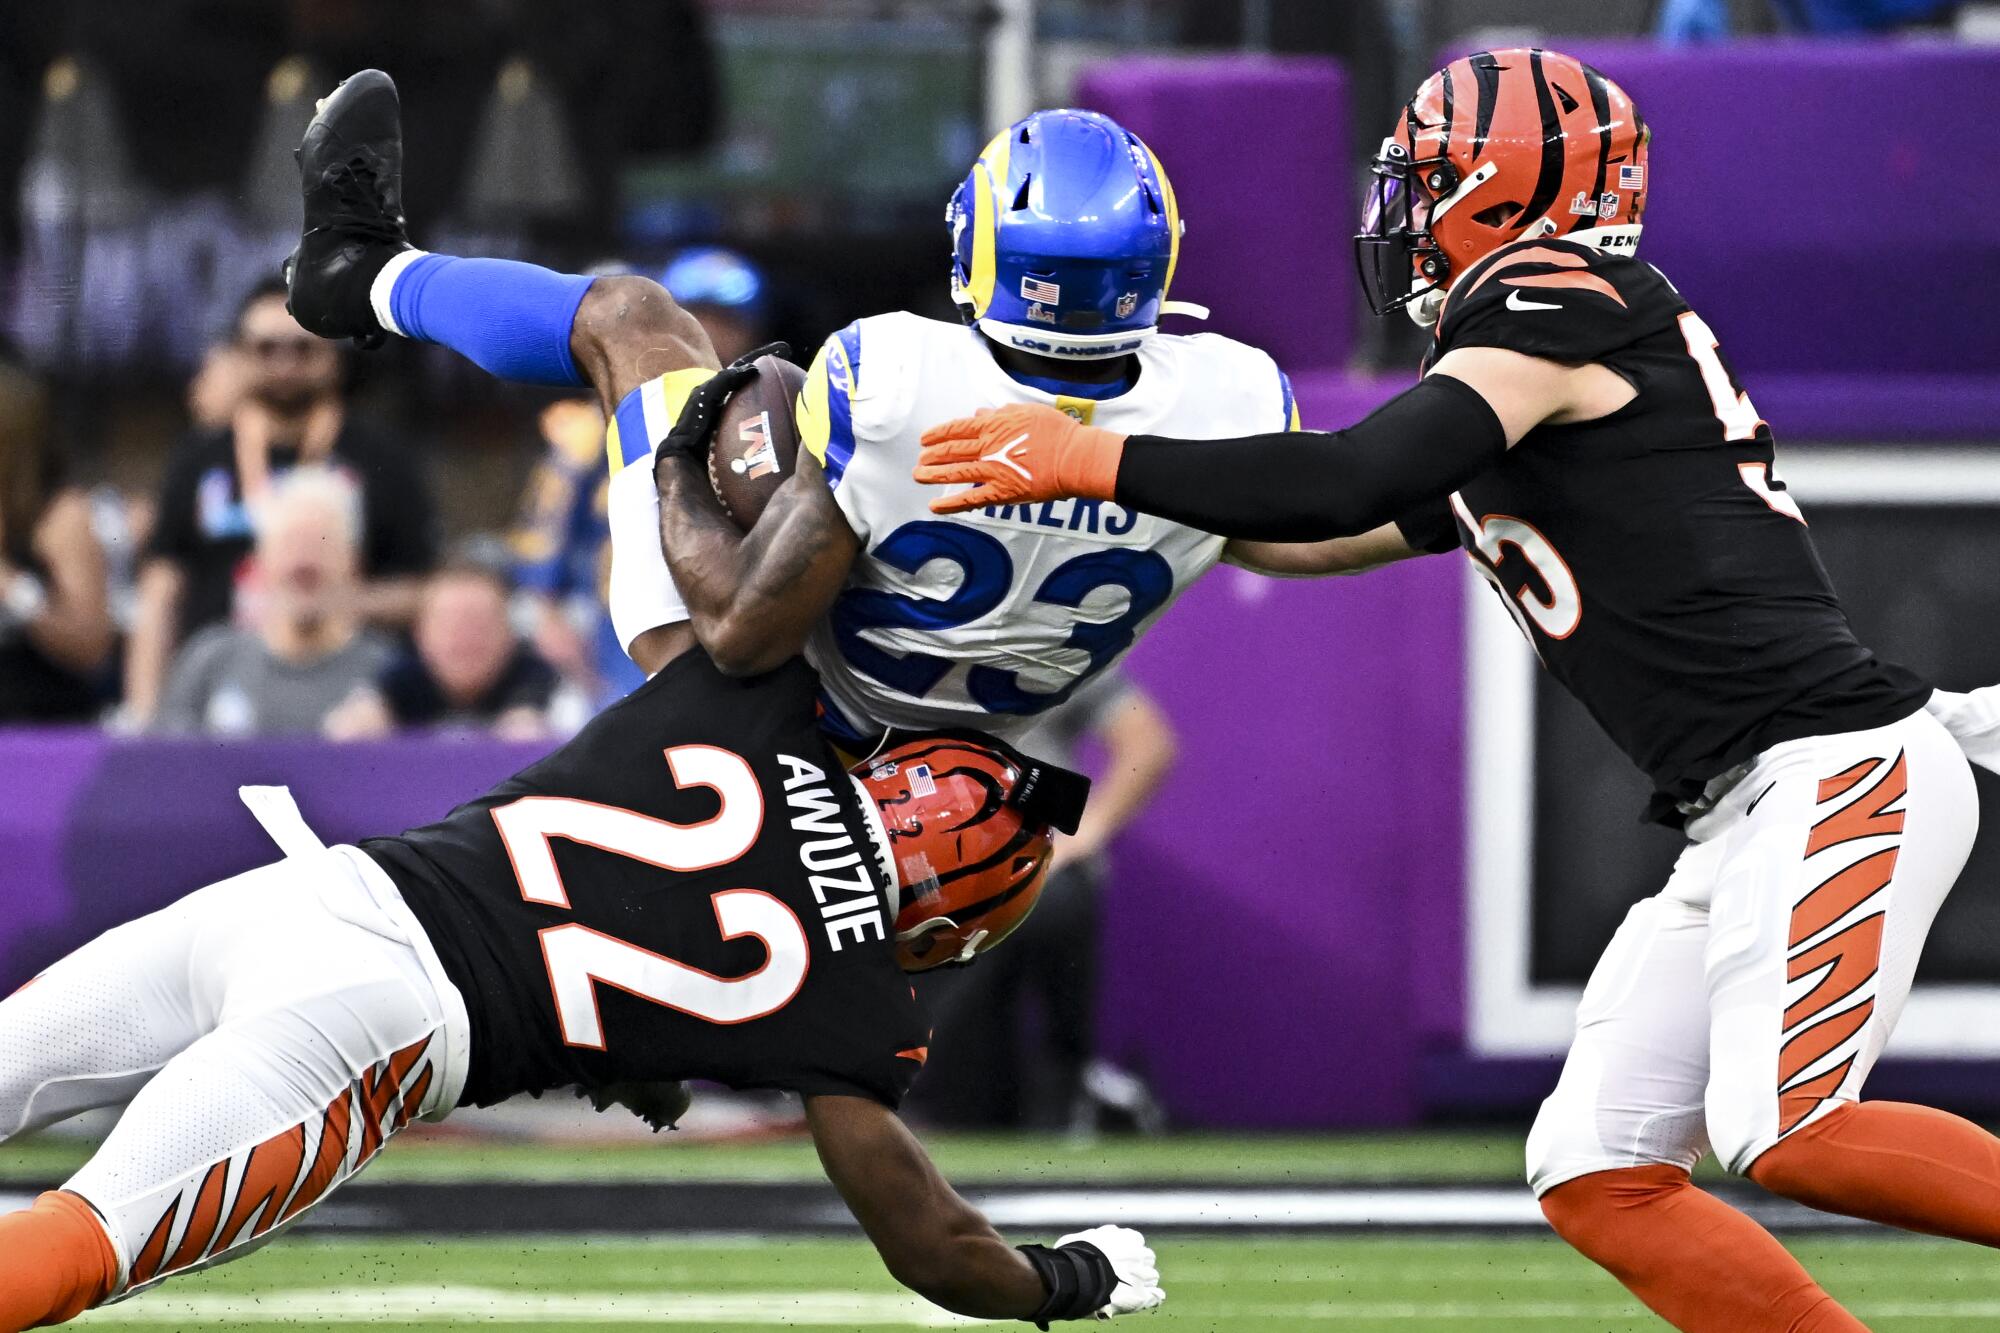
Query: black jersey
{"points": [[1659, 567], [688, 889]]}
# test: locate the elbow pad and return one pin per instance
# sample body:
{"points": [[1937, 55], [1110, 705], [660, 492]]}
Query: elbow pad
{"points": [[1079, 1279]]}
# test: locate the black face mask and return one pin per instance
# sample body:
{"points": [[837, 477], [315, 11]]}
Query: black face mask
{"points": [[1394, 244]]}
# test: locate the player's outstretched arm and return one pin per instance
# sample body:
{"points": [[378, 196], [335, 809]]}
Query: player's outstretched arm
{"points": [[1282, 487], [753, 597], [942, 1248], [1312, 560]]}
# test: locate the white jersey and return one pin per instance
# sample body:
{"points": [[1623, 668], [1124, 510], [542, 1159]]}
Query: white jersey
{"points": [[978, 620], [988, 618]]}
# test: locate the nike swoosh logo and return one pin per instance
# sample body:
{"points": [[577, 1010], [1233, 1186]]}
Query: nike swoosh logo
{"points": [[1751, 809], [1516, 301], [1004, 456]]}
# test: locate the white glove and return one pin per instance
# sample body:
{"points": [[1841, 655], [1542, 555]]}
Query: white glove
{"points": [[1973, 720], [1132, 1260]]}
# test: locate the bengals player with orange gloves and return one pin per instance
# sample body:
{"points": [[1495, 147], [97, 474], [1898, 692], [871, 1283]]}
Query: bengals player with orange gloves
{"points": [[1579, 434]]}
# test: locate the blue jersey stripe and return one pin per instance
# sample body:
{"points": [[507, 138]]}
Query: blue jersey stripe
{"points": [[840, 412], [631, 417]]}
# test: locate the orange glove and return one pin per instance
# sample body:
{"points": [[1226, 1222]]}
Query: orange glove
{"points": [[1017, 455]]}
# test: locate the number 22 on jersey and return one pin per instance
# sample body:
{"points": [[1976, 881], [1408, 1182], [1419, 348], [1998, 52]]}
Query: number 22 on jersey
{"points": [[580, 959]]}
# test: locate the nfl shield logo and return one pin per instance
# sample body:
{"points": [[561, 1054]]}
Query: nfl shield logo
{"points": [[1126, 305]]}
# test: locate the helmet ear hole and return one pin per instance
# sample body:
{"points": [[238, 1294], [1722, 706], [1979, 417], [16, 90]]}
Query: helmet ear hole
{"points": [[924, 947], [1498, 215], [1021, 195]]}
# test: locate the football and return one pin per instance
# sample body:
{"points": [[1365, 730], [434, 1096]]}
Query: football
{"points": [[756, 440]]}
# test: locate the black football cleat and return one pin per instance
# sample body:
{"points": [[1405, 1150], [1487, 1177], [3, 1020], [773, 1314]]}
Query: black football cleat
{"points": [[351, 171]]}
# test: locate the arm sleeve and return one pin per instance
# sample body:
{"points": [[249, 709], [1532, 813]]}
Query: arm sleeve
{"points": [[1420, 446], [1430, 527]]}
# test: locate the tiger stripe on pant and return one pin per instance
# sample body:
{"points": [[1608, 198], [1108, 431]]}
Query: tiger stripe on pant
{"points": [[271, 1183], [1836, 966], [1754, 993], [256, 1075]]}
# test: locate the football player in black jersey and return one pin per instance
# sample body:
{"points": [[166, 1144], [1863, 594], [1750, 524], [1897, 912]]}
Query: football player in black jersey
{"points": [[1579, 434], [693, 887]]}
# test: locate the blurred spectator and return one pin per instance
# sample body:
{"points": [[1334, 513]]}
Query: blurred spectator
{"points": [[1711, 20], [55, 629], [980, 1074], [289, 409], [308, 651], [469, 669], [219, 387], [725, 292], [561, 554]]}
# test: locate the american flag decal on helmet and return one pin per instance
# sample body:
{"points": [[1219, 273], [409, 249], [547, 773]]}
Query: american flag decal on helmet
{"points": [[1035, 289], [1631, 177]]}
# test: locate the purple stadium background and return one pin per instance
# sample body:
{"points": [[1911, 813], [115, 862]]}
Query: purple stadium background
{"points": [[1285, 936]]}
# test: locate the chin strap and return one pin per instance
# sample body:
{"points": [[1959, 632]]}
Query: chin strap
{"points": [[1189, 308]]}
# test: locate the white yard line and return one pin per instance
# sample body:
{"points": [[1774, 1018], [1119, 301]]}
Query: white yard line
{"points": [[1503, 1207], [1511, 1312], [813, 1309], [486, 1305]]}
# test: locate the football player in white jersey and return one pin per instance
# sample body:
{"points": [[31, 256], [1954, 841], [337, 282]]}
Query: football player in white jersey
{"points": [[1065, 236]]}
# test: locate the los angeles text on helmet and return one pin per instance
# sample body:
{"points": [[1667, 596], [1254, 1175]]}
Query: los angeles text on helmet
{"points": [[850, 901]]}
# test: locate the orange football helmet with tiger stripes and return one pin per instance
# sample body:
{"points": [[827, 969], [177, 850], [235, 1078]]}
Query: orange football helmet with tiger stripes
{"points": [[969, 824], [1498, 147]]}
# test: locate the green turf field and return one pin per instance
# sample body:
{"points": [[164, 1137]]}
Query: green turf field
{"points": [[1400, 1284], [1224, 1286], [427, 1154]]}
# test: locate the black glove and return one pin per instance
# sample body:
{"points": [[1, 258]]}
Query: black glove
{"points": [[695, 428]]}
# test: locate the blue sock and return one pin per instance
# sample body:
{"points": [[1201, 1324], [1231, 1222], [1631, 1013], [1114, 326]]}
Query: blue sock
{"points": [[509, 318]]}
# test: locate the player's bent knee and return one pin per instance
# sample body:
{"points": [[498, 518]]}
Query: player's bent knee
{"points": [[631, 317], [629, 330], [1563, 1143], [1586, 1211]]}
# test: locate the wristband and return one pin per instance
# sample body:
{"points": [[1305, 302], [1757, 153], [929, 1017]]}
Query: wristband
{"points": [[1078, 1277]]}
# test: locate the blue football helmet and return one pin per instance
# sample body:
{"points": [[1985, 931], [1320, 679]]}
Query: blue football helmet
{"points": [[1064, 238]]}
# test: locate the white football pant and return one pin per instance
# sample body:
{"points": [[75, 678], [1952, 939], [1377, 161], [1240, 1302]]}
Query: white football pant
{"points": [[1754, 993], [270, 1033]]}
